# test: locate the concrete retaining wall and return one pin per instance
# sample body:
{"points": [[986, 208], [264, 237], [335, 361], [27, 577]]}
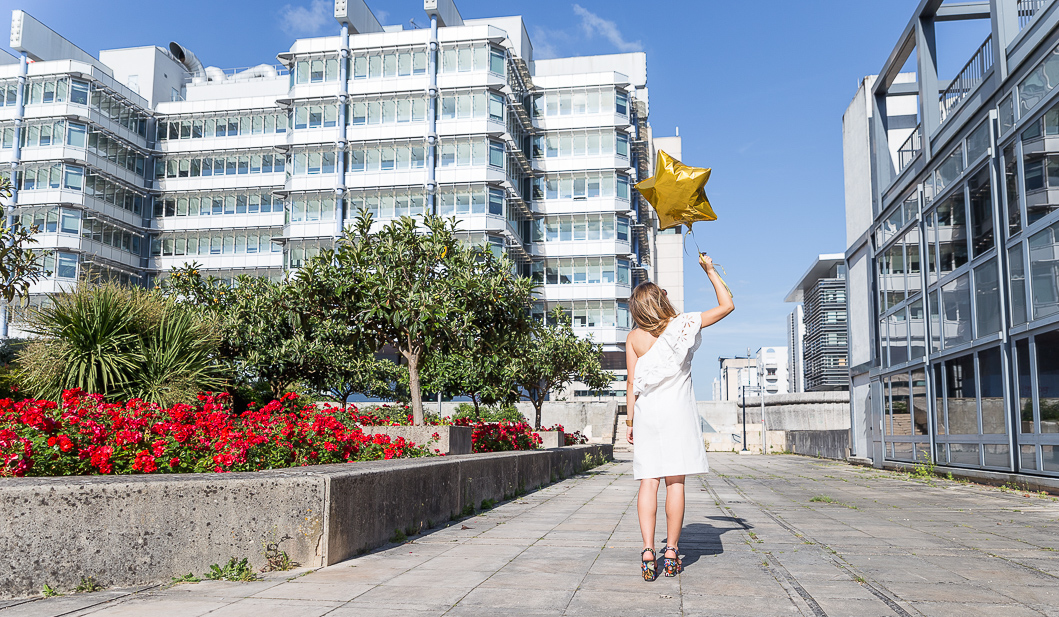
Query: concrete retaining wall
{"points": [[594, 419], [134, 530], [828, 444]]}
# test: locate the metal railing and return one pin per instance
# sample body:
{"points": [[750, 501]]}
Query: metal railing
{"points": [[970, 76], [1028, 9], [910, 149]]}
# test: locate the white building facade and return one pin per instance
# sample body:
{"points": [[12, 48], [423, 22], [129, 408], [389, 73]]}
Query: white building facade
{"points": [[145, 159]]}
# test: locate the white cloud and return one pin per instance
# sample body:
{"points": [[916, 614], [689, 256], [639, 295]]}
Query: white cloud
{"points": [[299, 20], [593, 24], [544, 43], [382, 16]]}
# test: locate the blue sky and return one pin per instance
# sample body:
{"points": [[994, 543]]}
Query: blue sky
{"points": [[757, 89]]}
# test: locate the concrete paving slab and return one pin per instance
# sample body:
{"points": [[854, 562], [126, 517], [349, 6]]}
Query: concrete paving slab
{"points": [[753, 542]]}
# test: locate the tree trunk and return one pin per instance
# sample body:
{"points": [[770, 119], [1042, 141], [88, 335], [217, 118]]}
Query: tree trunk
{"points": [[413, 356], [477, 415], [538, 402]]}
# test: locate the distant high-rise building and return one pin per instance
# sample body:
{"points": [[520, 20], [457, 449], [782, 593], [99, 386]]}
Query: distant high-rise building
{"points": [[822, 292], [773, 372], [796, 349]]}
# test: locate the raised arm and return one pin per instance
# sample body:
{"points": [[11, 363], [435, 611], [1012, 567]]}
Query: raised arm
{"points": [[725, 304]]}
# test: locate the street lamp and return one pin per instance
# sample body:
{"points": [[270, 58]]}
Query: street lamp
{"points": [[745, 450]]}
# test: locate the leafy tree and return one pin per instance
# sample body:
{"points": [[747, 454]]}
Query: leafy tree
{"points": [[121, 343], [417, 289], [553, 357], [20, 267], [265, 331], [478, 371]]}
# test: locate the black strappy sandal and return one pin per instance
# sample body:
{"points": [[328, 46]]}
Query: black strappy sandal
{"points": [[648, 568], [672, 566]]}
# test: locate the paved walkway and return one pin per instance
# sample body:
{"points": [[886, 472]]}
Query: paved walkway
{"points": [[764, 535]]}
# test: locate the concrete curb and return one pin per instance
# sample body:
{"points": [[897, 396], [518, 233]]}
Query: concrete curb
{"points": [[133, 530]]}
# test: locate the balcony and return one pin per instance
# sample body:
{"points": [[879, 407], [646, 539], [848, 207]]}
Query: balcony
{"points": [[968, 79]]}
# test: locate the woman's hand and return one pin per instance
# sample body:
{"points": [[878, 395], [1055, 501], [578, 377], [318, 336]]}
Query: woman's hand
{"points": [[628, 434], [706, 262]]}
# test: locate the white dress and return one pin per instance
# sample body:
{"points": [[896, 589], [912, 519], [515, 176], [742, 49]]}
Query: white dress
{"points": [[667, 434]]}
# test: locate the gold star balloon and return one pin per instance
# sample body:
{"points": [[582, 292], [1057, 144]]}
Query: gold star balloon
{"points": [[677, 193]]}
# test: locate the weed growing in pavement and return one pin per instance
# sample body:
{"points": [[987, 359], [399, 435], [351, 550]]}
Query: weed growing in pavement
{"points": [[822, 498], [277, 560], [87, 584], [399, 536], [487, 504], [187, 578], [234, 570], [49, 591]]}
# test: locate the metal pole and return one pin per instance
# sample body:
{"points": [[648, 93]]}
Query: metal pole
{"points": [[432, 117], [745, 449], [341, 143]]}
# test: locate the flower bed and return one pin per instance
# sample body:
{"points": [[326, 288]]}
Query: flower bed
{"points": [[500, 436], [88, 436], [571, 439]]}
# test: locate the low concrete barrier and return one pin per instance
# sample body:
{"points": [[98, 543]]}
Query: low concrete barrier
{"points": [[450, 439], [827, 444], [133, 530]]}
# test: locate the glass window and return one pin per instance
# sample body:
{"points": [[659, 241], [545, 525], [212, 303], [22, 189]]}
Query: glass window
{"points": [[1012, 191], [898, 337], [949, 170], [987, 298], [496, 154], [74, 179], [496, 62], [952, 233], [496, 106], [79, 92], [70, 222], [961, 400], [1024, 386], [917, 330], [496, 202], [1047, 346], [1018, 285], [956, 311], [1007, 115], [978, 142], [981, 203], [66, 266], [991, 384], [75, 134], [1044, 272]]}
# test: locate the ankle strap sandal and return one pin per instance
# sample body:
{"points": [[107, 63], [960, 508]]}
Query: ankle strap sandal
{"points": [[647, 568], [672, 566]]}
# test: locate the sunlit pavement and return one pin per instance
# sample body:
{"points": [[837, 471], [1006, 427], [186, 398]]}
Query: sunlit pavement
{"points": [[763, 535]]}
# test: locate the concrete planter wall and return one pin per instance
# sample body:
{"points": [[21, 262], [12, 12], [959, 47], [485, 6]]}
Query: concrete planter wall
{"points": [[451, 439], [552, 439], [132, 530]]}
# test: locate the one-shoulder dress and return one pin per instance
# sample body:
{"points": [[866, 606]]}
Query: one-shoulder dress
{"points": [[667, 433]]}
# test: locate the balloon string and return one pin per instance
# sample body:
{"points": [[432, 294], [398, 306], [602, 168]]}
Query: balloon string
{"points": [[699, 251]]}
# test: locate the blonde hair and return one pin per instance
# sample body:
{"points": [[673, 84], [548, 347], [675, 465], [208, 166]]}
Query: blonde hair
{"points": [[650, 308]]}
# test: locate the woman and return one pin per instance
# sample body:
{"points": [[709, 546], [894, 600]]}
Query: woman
{"points": [[661, 406]]}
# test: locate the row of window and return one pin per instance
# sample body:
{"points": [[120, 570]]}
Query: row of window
{"points": [[387, 205], [238, 242], [472, 105], [315, 70], [580, 143], [480, 200], [579, 227], [68, 221], [61, 265], [385, 111], [318, 207], [580, 270], [298, 255], [50, 176], [587, 314], [224, 126], [581, 185], [228, 164], [581, 101], [114, 193], [216, 204], [63, 89], [112, 235], [77, 135]]}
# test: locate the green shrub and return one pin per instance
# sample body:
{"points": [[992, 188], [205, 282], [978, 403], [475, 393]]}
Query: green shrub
{"points": [[508, 413]]}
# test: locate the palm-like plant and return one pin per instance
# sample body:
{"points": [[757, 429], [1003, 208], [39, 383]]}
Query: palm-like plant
{"points": [[121, 343]]}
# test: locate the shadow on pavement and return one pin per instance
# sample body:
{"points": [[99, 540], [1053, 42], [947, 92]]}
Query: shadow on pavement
{"points": [[703, 539]]}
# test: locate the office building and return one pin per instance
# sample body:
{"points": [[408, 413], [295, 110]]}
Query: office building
{"points": [[148, 158], [796, 348], [736, 372], [952, 235], [824, 340]]}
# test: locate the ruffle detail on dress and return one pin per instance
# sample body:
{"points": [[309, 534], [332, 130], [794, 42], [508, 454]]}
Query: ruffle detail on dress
{"points": [[680, 339]]}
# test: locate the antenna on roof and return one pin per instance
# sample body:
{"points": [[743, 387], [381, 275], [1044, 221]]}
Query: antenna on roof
{"points": [[414, 24]]}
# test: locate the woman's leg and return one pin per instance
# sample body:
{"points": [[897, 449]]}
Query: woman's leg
{"points": [[647, 510], [674, 511]]}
